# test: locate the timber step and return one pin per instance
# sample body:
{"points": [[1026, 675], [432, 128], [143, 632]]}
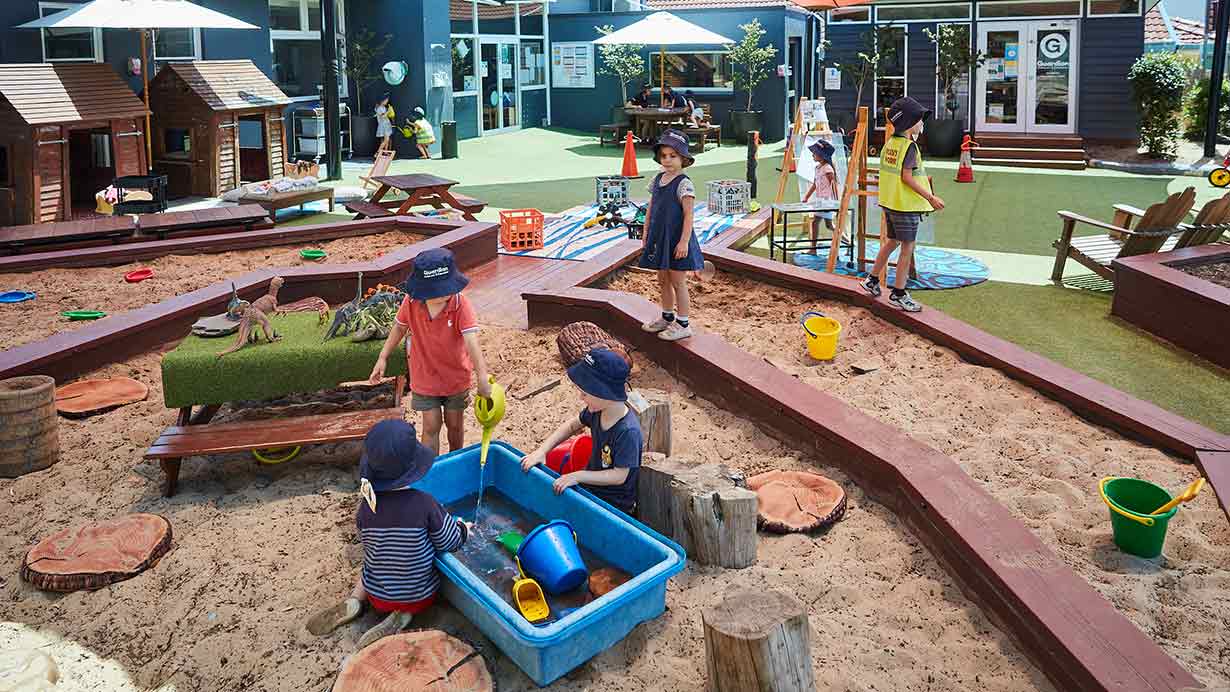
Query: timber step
{"points": [[1036, 153], [1037, 163], [180, 441], [989, 139]]}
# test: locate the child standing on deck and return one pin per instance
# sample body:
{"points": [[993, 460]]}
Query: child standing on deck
{"points": [[402, 530], [905, 195], [443, 350], [670, 246], [614, 463], [384, 122], [824, 186]]}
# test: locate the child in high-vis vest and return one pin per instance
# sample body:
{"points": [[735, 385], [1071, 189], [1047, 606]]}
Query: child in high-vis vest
{"points": [[905, 195]]}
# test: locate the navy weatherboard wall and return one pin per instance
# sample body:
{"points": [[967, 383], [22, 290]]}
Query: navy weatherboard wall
{"points": [[1109, 46]]}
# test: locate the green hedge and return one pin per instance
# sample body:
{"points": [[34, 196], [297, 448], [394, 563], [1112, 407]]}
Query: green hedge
{"points": [[299, 363]]}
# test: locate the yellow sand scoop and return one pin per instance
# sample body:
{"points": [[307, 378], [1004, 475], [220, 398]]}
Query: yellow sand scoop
{"points": [[1187, 495]]}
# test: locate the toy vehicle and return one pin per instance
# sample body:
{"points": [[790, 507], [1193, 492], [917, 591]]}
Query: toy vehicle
{"points": [[1220, 176]]}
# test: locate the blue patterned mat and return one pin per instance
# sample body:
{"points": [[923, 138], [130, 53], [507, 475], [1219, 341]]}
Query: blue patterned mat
{"points": [[937, 269]]}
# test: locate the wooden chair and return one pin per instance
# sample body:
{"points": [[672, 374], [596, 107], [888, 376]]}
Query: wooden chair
{"points": [[1209, 225], [1158, 223], [380, 166]]}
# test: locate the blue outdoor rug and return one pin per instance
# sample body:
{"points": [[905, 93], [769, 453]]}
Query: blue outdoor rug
{"points": [[937, 269]]}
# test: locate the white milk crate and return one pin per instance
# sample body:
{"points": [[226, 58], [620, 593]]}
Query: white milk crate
{"points": [[729, 196], [610, 188]]}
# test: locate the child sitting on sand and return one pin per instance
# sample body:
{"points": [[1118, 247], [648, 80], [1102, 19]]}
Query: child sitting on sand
{"points": [[443, 350], [670, 246], [614, 463], [402, 530], [824, 186]]}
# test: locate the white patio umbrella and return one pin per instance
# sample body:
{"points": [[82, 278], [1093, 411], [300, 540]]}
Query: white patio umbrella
{"points": [[142, 16], [664, 29]]}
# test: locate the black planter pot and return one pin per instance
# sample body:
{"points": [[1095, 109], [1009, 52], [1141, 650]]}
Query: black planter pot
{"points": [[743, 122], [943, 137], [364, 135]]}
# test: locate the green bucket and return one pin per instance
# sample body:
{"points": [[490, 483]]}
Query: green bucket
{"points": [[1130, 501]]}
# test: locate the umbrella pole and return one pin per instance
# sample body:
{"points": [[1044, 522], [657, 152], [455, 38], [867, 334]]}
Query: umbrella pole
{"points": [[149, 146]]}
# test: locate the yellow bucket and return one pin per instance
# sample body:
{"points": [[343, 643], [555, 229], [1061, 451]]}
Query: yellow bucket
{"points": [[822, 333]]}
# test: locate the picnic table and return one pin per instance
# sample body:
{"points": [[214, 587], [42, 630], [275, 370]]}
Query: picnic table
{"points": [[653, 120], [421, 189], [302, 362]]}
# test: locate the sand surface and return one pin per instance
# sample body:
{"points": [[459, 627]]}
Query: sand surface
{"points": [[104, 288], [1217, 272], [257, 548], [1039, 459]]}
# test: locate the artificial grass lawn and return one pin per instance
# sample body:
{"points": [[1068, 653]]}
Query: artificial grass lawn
{"points": [[1075, 328], [299, 363]]}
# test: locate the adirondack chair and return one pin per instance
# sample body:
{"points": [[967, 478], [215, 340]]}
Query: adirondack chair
{"points": [[380, 166], [1209, 225], [1156, 225]]}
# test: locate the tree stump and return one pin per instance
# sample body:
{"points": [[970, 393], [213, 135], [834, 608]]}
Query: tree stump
{"points": [[701, 508], [29, 432], [423, 661], [797, 501], [758, 640], [653, 408], [95, 555]]}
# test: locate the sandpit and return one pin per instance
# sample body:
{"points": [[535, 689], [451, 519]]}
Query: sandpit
{"points": [[1037, 457], [104, 288], [257, 548]]}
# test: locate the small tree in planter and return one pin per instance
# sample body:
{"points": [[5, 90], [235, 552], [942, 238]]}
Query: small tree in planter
{"points": [[1158, 83], [363, 48], [751, 63], [622, 61], [955, 60]]}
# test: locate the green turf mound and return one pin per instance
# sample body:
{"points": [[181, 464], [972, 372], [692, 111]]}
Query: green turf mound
{"points": [[299, 363]]}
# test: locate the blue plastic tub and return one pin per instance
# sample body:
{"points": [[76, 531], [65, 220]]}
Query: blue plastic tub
{"points": [[548, 652]]}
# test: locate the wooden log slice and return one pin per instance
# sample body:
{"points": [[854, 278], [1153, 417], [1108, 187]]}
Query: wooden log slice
{"points": [[605, 580], [796, 501], [85, 397], [423, 661], [95, 555], [576, 339], [29, 436]]}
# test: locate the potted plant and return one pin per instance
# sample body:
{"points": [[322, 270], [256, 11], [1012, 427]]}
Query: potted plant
{"points": [[955, 59], [361, 55], [751, 66], [624, 62], [879, 45]]}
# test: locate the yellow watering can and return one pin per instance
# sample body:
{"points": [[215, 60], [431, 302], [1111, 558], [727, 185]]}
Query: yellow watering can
{"points": [[489, 411]]}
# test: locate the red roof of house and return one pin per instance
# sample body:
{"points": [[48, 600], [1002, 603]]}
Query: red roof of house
{"points": [[1187, 32]]}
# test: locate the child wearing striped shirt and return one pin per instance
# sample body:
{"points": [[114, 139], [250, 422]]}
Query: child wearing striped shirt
{"points": [[402, 531]]}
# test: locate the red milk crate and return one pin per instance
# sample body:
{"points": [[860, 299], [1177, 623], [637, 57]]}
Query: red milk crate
{"points": [[521, 229]]}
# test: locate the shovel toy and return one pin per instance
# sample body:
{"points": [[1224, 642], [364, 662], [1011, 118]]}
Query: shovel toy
{"points": [[1187, 495], [489, 411], [529, 597]]}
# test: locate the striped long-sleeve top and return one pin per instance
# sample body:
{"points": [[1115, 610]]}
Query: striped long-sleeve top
{"points": [[400, 542]]}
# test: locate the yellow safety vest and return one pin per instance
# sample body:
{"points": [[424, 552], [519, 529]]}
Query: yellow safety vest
{"points": [[894, 194]]}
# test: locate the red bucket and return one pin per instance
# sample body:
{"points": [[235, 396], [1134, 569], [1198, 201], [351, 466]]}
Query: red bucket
{"points": [[571, 455]]}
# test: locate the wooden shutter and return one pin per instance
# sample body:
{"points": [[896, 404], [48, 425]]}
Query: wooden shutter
{"points": [[128, 147], [228, 159], [277, 147], [49, 157]]}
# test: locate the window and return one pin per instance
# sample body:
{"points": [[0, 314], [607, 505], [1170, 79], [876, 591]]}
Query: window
{"points": [[921, 13], [850, 15], [463, 65], [69, 45], [533, 63], [5, 178], [176, 143], [1114, 8], [295, 35], [693, 70], [1029, 8], [890, 76], [961, 89], [177, 44]]}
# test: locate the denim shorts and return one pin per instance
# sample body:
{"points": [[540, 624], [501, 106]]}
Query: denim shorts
{"points": [[452, 402], [902, 225]]}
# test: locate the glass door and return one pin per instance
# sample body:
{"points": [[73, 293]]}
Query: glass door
{"points": [[501, 97], [999, 78], [1052, 103], [1027, 83]]}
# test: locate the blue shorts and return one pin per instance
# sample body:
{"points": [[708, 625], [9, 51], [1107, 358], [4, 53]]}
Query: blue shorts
{"points": [[902, 225]]}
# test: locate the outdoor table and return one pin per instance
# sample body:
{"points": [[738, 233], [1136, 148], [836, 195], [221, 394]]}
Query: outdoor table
{"points": [[785, 209], [422, 189], [654, 118]]}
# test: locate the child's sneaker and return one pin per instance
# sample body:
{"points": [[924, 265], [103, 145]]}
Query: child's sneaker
{"points": [[904, 301], [657, 325], [872, 285], [332, 618], [675, 331], [394, 623]]}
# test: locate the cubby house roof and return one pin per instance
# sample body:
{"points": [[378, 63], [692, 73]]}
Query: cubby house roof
{"points": [[229, 85], [46, 94]]}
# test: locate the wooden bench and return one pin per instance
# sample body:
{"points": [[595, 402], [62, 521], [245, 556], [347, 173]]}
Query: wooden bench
{"points": [[245, 216], [16, 239], [368, 210], [179, 441], [617, 131], [702, 134], [464, 204]]}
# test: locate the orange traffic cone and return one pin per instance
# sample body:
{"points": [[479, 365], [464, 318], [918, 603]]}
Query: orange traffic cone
{"points": [[965, 169], [629, 169]]}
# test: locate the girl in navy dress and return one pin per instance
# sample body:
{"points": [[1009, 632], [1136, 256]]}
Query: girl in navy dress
{"points": [[670, 246]]}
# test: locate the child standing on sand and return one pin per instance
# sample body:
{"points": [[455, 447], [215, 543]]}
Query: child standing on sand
{"points": [[823, 186], [905, 195], [402, 530], [670, 246], [443, 350]]}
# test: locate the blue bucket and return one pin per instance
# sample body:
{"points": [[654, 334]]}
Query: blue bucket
{"points": [[550, 555]]}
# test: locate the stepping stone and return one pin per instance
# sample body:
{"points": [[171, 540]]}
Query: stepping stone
{"points": [[796, 501], [95, 555], [84, 397], [424, 661]]}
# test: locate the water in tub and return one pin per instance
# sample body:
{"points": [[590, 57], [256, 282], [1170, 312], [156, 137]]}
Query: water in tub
{"points": [[491, 563]]}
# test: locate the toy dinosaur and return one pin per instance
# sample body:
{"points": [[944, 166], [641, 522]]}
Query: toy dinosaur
{"points": [[307, 305], [268, 303], [345, 313], [376, 314], [234, 309], [251, 316]]}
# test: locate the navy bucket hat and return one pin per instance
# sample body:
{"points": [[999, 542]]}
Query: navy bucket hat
{"points": [[601, 373], [822, 149], [677, 141], [434, 275], [392, 457], [906, 113]]}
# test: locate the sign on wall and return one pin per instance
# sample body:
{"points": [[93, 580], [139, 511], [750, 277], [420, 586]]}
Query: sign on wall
{"points": [[572, 65], [832, 79]]}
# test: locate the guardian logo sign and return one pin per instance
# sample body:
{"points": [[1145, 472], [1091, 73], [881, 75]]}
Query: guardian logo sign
{"points": [[1054, 46]]}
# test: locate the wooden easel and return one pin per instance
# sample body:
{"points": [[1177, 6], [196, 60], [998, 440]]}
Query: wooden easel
{"points": [[798, 128]]}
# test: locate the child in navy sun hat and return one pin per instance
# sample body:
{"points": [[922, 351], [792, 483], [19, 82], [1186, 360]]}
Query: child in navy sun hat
{"points": [[669, 245], [823, 185], [443, 353], [402, 530], [614, 463]]}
